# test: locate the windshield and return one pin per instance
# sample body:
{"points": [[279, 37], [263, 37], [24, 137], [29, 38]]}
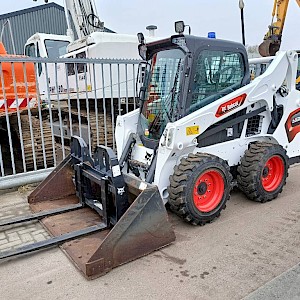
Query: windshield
{"points": [[161, 104], [56, 48]]}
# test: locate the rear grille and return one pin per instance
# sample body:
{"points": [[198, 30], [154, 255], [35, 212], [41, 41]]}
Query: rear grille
{"points": [[254, 125]]}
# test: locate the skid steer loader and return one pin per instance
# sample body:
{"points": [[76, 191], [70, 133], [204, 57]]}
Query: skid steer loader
{"points": [[202, 127]]}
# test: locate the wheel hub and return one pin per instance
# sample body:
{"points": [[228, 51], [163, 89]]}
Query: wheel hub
{"points": [[265, 171], [208, 190], [202, 188], [273, 173]]}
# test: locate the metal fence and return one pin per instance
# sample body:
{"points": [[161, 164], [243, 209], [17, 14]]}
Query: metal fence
{"points": [[44, 102], [259, 65]]}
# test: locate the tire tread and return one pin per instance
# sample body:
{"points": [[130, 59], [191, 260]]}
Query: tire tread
{"points": [[250, 168], [178, 185]]}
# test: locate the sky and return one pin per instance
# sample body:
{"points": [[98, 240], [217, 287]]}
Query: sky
{"points": [[221, 16]]}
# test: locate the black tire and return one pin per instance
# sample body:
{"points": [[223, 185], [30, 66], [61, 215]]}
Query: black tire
{"points": [[256, 179], [186, 188]]}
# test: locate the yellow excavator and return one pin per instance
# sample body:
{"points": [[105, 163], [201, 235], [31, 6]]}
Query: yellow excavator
{"points": [[272, 39]]}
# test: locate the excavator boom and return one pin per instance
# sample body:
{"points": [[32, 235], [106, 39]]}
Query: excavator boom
{"points": [[272, 39]]}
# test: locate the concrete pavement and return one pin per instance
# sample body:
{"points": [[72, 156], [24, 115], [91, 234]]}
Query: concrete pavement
{"points": [[284, 287], [249, 245]]}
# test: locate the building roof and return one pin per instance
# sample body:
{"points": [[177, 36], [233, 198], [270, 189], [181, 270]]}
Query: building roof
{"points": [[36, 8], [31, 9]]}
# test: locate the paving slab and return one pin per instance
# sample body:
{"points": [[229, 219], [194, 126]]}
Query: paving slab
{"points": [[249, 245], [15, 204]]}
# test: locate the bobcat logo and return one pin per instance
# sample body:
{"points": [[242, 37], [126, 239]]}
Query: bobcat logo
{"points": [[121, 190], [148, 156]]}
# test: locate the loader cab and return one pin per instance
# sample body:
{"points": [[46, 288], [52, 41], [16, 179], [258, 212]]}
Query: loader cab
{"points": [[183, 74]]}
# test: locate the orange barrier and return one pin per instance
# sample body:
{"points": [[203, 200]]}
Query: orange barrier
{"points": [[14, 92]]}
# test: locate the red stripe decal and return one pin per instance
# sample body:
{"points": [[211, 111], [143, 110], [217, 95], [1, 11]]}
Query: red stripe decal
{"points": [[231, 105], [292, 124]]}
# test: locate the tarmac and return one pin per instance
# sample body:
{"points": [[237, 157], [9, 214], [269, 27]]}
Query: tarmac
{"points": [[252, 251]]}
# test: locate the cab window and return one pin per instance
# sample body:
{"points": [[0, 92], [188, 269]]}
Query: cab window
{"points": [[32, 50], [217, 73], [56, 48]]}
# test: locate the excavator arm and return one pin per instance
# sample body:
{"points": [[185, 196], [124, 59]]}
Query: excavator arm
{"points": [[84, 16], [272, 39]]}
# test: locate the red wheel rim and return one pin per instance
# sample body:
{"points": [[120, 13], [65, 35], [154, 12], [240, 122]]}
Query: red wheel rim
{"points": [[272, 173], [208, 190]]}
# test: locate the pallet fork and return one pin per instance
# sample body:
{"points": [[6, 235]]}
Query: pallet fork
{"points": [[100, 217]]}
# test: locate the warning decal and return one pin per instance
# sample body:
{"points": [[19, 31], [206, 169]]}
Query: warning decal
{"points": [[192, 130]]}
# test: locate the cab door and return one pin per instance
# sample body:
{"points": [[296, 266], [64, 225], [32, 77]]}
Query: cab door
{"points": [[33, 50]]}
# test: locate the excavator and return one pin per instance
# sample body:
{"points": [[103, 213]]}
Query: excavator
{"points": [[272, 39], [202, 128]]}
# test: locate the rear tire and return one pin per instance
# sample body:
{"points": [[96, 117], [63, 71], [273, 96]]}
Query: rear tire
{"points": [[263, 171], [200, 188]]}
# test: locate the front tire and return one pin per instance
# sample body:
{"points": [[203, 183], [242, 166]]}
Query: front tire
{"points": [[263, 171], [200, 188]]}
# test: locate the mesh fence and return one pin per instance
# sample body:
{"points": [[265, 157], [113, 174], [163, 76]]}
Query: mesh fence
{"points": [[44, 102]]}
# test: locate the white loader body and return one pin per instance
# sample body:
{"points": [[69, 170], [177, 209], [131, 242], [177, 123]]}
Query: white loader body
{"points": [[176, 142]]}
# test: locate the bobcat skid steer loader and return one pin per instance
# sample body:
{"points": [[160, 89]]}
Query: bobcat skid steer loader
{"points": [[201, 128]]}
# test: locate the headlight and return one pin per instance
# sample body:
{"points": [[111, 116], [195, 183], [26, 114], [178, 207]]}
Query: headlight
{"points": [[179, 27]]}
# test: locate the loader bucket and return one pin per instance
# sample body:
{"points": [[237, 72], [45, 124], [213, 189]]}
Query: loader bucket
{"points": [[143, 228], [268, 48]]}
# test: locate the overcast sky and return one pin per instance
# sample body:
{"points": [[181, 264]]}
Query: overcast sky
{"points": [[221, 16]]}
